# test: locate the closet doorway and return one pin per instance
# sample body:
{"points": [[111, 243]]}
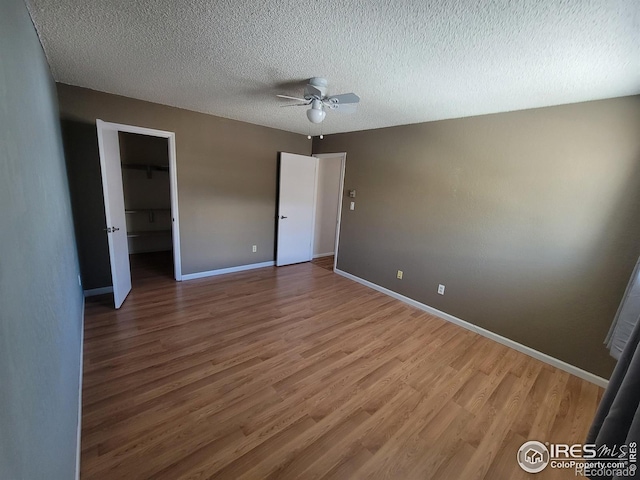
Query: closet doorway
{"points": [[141, 205], [331, 168]]}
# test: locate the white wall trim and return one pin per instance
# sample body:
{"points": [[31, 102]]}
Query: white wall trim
{"points": [[222, 271], [98, 291], [319, 255], [567, 367], [79, 433]]}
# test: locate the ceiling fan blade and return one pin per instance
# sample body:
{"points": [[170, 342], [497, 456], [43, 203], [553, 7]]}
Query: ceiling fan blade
{"points": [[312, 91], [296, 104], [343, 107], [292, 98], [344, 98]]}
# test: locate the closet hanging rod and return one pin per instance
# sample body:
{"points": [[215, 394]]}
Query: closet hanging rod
{"points": [[147, 167], [146, 210]]}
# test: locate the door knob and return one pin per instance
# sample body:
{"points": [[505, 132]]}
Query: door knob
{"points": [[282, 217], [115, 229]]}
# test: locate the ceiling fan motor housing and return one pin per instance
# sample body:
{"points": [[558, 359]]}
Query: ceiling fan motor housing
{"points": [[320, 83]]}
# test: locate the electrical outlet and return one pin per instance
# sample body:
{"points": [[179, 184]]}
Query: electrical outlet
{"points": [[254, 249], [352, 206], [399, 275], [441, 289]]}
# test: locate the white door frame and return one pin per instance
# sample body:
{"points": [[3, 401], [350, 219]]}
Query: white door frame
{"points": [[342, 171], [173, 183]]}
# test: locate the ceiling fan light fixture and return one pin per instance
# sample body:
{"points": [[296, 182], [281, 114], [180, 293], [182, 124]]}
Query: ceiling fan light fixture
{"points": [[316, 115]]}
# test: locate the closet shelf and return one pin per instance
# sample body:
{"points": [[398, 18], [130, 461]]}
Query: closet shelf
{"points": [[148, 233]]}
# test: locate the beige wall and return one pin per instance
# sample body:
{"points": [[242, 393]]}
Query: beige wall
{"points": [[329, 170], [226, 174], [531, 219], [85, 186], [40, 298]]}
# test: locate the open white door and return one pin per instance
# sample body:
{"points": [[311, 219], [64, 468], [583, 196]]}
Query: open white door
{"points": [[296, 208], [114, 210]]}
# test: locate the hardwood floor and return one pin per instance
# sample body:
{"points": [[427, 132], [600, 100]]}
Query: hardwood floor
{"points": [[296, 372]]}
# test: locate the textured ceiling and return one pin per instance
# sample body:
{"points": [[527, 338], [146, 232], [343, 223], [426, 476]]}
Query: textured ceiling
{"points": [[410, 61]]}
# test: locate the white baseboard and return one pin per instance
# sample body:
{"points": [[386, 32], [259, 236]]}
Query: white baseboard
{"points": [[222, 271], [98, 291], [320, 255], [79, 433], [567, 367]]}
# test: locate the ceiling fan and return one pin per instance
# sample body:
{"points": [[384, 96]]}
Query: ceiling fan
{"points": [[315, 94]]}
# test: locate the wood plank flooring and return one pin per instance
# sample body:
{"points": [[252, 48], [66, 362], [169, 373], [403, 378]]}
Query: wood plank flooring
{"points": [[298, 373]]}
